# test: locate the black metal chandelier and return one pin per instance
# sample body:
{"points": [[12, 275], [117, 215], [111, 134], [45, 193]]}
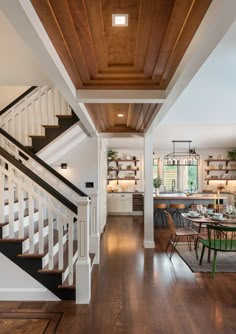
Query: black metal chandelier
{"points": [[189, 157]]}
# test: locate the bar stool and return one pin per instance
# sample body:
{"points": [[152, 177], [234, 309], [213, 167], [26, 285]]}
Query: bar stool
{"points": [[176, 210], [159, 214]]}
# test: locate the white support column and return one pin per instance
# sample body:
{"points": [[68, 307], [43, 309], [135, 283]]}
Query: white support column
{"points": [[94, 240], [83, 265], [148, 192]]}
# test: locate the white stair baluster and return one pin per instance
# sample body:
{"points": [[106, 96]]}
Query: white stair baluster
{"points": [[60, 242], [50, 238], [21, 210], [70, 247], [31, 221], [11, 202], [41, 226]]}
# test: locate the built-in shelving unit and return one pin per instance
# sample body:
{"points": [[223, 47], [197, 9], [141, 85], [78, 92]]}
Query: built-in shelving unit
{"points": [[224, 167], [123, 170]]}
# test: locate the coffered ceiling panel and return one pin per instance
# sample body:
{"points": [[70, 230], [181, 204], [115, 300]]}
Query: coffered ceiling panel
{"points": [[122, 117], [143, 55]]}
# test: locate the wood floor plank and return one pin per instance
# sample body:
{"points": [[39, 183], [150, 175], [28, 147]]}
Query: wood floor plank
{"points": [[140, 291]]}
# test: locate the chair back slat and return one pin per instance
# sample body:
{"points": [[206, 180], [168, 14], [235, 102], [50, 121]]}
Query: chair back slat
{"points": [[221, 238]]}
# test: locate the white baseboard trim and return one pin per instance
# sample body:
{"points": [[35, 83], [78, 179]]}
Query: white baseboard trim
{"points": [[148, 244], [18, 294]]}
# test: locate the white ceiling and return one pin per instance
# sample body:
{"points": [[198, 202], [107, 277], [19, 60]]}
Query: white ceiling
{"points": [[18, 66], [205, 112]]}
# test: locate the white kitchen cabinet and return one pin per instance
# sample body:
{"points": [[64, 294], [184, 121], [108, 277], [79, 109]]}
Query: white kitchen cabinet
{"points": [[119, 203]]}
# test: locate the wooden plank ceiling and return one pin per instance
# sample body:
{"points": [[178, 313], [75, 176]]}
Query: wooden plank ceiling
{"points": [[143, 55]]}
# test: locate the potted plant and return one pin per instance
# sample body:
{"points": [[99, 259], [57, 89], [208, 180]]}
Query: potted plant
{"points": [[157, 182], [112, 155], [232, 154]]}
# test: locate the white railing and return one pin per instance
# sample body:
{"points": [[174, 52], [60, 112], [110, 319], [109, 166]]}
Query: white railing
{"points": [[39, 169], [46, 216], [28, 116]]}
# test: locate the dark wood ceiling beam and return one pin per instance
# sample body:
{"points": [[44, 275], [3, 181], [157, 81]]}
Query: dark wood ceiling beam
{"points": [[117, 129], [104, 115], [120, 76], [142, 116], [95, 19], [65, 21], [130, 114], [177, 21], [91, 108], [198, 11], [79, 16], [146, 16], [137, 110], [152, 112], [48, 19], [159, 26]]}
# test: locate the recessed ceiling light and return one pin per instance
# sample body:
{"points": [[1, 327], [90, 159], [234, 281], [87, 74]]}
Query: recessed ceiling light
{"points": [[120, 115], [119, 20]]}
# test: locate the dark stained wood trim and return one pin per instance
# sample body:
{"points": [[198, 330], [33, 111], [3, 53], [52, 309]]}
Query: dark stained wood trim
{"points": [[9, 106], [39, 181], [41, 162]]}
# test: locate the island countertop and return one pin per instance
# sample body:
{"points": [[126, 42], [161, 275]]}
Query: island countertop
{"points": [[189, 197]]}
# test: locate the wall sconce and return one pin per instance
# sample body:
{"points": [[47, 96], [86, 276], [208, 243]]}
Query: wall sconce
{"points": [[63, 165]]}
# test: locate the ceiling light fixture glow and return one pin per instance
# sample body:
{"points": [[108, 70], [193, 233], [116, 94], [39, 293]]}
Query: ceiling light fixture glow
{"points": [[120, 115], [119, 20]]}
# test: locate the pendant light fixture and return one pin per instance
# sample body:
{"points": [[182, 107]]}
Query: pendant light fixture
{"points": [[189, 157]]}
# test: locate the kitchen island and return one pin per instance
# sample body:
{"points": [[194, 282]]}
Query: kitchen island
{"points": [[205, 199]]}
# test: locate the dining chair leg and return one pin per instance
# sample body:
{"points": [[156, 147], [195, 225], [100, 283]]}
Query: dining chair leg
{"points": [[214, 264], [189, 242], [173, 246], [168, 245], [202, 254], [196, 247]]}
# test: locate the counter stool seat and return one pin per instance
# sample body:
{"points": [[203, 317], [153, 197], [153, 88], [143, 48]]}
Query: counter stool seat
{"points": [[159, 214], [176, 210]]}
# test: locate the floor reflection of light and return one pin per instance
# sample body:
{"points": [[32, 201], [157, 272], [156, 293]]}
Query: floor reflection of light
{"points": [[124, 244]]}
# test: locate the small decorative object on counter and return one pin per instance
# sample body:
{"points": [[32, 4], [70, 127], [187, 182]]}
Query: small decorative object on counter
{"points": [[232, 154], [112, 154], [157, 182]]}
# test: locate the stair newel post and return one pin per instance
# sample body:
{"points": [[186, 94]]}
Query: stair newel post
{"points": [[94, 240], [83, 265]]}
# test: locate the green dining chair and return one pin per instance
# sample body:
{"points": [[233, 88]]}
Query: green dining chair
{"points": [[220, 238]]}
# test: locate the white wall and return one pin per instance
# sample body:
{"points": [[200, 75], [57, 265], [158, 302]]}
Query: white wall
{"points": [[16, 284], [82, 162], [9, 93]]}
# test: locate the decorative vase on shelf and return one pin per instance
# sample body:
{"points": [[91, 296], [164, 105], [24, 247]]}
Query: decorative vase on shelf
{"points": [[157, 191]]}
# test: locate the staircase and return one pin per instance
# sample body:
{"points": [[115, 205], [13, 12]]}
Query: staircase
{"points": [[38, 118], [44, 219]]}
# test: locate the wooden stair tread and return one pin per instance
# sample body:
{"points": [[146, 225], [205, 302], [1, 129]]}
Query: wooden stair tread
{"points": [[36, 253], [51, 126], [37, 137], [64, 116]]}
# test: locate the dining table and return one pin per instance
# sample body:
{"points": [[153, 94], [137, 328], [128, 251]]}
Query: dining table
{"points": [[201, 220]]}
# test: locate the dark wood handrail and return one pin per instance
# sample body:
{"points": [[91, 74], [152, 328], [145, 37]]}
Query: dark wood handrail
{"points": [[42, 163], [9, 106], [28, 172]]}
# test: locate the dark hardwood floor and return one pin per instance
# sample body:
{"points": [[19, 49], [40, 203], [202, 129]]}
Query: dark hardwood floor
{"points": [[135, 291]]}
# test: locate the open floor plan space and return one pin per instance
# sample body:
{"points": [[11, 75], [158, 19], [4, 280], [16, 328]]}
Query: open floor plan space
{"points": [[134, 291]]}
